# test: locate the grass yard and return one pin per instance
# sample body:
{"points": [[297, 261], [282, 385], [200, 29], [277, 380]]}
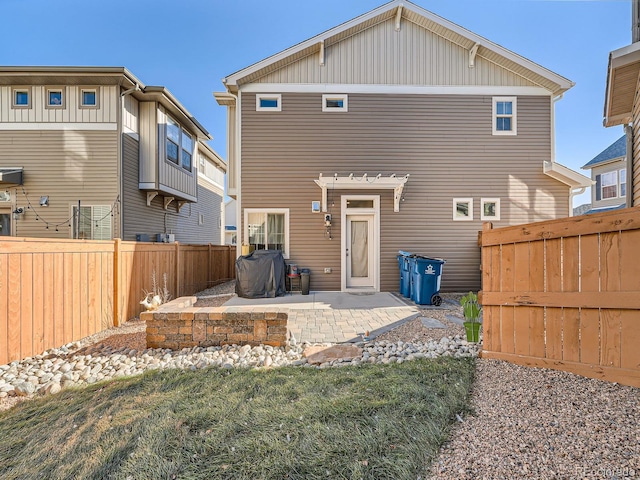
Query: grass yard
{"points": [[372, 421]]}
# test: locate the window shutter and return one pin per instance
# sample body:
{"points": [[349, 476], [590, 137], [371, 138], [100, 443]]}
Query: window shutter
{"points": [[598, 188]]}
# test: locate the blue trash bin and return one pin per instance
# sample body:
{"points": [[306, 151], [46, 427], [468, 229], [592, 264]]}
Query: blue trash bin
{"points": [[426, 275], [405, 273]]}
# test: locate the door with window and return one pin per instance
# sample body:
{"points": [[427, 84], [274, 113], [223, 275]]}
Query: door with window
{"points": [[359, 251], [360, 242]]}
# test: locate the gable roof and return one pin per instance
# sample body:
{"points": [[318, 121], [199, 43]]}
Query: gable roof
{"points": [[616, 150], [402, 9]]}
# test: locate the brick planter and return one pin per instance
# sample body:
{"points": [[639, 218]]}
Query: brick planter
{"points": [[177, 324]]}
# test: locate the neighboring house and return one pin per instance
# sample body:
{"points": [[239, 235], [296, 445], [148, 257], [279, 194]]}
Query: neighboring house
{"points": [[93, 153], [231, 231], [397, 130], [609, 173], [622, 103]]}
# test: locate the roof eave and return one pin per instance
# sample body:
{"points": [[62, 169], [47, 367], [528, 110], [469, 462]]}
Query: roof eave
{"points": [[567, 176], [169, 100], [625, 57]]}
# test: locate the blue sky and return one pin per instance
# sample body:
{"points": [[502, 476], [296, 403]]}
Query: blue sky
{"points": [[188, 46]]}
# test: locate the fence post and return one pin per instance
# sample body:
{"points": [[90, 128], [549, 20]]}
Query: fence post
{"points": [[232, 261], [116, 282], [178, 272], [209, 269]]}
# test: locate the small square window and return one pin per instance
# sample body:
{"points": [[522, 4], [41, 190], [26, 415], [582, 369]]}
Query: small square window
{"points": [[490, 209], [504, 116], [89, 97], [271, 103], [335, 103], [463, 209], [22, 97], [55, 98]]}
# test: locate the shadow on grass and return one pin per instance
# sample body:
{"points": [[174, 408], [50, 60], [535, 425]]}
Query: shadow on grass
{"points": [[372, 421]]}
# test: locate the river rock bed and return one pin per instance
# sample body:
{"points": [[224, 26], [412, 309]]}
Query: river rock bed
{"points": [[60, 368]]}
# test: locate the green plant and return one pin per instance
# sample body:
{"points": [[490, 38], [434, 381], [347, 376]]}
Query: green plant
{"points": [[470, 307]]}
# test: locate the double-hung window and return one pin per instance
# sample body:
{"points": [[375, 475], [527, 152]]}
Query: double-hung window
{"points": [[609, 184], [267, 229], [623, 182], [504, 115], [179, 145]]}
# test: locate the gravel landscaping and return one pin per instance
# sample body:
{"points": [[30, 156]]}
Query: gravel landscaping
{"points": [[528, 422]]}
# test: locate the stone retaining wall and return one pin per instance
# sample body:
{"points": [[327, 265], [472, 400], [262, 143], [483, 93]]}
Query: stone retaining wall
{"points": [[177, 324]]}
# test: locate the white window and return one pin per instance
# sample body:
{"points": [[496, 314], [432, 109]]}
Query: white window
{"points": [[55, 98], [504, 115], [267, 229], [489, 209], [609, 184], [21, 97], [463, 209], [89, 97], [179, 145], [94, 222], [335, 103], [271, 102], [623, 182]]}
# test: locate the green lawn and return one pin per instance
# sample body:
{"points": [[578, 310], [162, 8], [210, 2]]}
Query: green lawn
{"points": [[371, 421]]}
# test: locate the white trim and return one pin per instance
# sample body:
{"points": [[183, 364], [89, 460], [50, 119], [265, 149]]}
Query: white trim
{"points": [[58, 126], [345, 212], [285, 211], [266, 96], [513, 115], [391, 89], [562, 82], [490, 218], [455, 210], [342, 97]]}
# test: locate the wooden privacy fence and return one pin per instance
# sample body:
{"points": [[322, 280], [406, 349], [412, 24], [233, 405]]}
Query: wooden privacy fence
{"points": [[565, 294], [53, 292]]}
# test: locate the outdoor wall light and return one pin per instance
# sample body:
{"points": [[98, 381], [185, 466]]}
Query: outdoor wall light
{"points": [[44, 201]]}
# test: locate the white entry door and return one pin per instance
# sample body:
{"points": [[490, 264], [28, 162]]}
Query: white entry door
{"points": [[359, 251]]}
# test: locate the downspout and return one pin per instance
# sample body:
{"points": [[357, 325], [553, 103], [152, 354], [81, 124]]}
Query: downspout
{"points": [[628, 130], [572, 193], [121, 155], [553, 150], [239, 228]]}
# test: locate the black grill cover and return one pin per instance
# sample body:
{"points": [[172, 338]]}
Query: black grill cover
{"points": [[261, 274]]}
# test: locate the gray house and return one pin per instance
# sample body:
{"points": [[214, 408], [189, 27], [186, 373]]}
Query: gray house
{"points": [[397, 130], [93, 153], [609, 174]]}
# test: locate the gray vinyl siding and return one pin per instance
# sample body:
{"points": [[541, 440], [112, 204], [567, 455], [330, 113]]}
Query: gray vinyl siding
{"points": [[151, 220], [412, 56], [148, 124], [65, 165], [443, 141], [106, 112]]}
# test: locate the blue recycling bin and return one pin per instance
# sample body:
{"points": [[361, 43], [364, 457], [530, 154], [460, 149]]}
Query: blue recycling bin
{"points": [[405, 273], [425, 278]]}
